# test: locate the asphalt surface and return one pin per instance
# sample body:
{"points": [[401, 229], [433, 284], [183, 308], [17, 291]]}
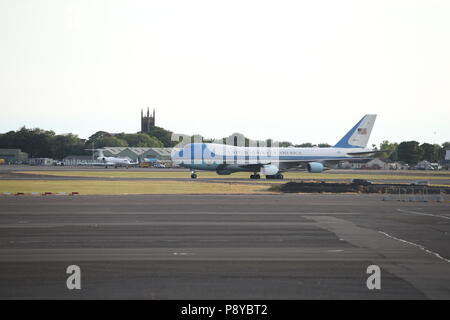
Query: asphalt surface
{"points": [[223, 247], [8, 173], [10, 168]]}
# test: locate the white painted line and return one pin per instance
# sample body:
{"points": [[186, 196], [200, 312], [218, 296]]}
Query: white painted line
{"points": [[416, 245], [424, 214]]}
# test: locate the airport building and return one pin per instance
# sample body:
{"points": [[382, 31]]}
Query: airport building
{"points": [[139, 153], [41, 161], [375, 163], [13, 156], [79, 160]]}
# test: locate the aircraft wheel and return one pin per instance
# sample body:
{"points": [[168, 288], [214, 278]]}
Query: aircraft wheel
{"points": [[193, 176], [257, 176], [252, 176], [280, 176]]}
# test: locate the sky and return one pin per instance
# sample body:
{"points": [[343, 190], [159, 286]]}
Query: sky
{"points": [[301, 71]]}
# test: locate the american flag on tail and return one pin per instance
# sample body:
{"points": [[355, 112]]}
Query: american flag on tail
{"points": [[362, 130]]}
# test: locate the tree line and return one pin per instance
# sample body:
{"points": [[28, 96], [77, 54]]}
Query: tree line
{"points": [[412, 152], [39, 143]]}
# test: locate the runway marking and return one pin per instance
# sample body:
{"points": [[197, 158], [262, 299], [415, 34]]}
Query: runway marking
{"points": [[194, 254], [89, 213], [156, 223], [416, 245], [424, 214], [417, 267]]}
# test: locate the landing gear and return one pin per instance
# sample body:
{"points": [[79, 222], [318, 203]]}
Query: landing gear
{"points": [[275, 176], [255, 176], [193, 175]]}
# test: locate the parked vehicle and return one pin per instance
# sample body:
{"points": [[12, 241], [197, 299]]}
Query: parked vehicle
{"points": [[361, 182], [421, 183]]}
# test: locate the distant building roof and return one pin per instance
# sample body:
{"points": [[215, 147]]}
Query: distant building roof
{"points": [[135, 153], [9, 151], [78, 158], [137, 150]]}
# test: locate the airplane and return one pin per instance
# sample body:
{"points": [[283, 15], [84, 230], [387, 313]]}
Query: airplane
{"points": [[272, 161], [112, 161]]}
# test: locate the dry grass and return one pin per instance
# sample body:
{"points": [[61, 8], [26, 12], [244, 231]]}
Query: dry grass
{"points": [[128, 187], [243, 175]]}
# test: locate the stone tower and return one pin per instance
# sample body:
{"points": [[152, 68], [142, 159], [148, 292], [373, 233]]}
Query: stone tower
{"points": [[147, 122]]}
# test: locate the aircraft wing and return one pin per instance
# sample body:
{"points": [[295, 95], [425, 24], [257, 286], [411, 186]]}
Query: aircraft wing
{"points": [[286, 164], [366, 152]]}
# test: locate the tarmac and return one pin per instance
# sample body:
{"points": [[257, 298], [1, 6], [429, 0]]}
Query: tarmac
{"points": [[287, 246], [8, 172]]}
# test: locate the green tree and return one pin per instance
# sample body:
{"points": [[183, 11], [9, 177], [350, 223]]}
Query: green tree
{"points": [[390, 148], [284, 144], [323, 145], [95, 136], [36, 142], [109, 142], [430, 152], [67, 144], [163, 135], [409, 152], [140, 140], [305, 145], [445, 147]]}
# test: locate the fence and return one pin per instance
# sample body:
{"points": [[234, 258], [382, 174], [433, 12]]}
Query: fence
{"points": [[411, 194]]}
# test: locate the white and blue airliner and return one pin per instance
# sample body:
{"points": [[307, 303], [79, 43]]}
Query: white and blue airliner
{"points": [[272, 161]]}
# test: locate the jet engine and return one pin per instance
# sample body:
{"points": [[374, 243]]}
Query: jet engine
{"points": [[269, 170], [225, 169], [315, 167]]}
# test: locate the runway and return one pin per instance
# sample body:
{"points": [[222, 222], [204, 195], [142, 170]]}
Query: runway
{"points": [[290, 246], [86, 173]]}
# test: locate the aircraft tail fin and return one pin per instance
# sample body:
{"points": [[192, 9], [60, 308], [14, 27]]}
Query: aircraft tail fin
{"points": [[358, 136]]}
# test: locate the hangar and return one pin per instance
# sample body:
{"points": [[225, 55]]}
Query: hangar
{"points": [[13, 156], [135, 153]]}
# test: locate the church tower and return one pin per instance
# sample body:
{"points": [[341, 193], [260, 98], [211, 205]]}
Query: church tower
{"points": [[147, 122]]}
